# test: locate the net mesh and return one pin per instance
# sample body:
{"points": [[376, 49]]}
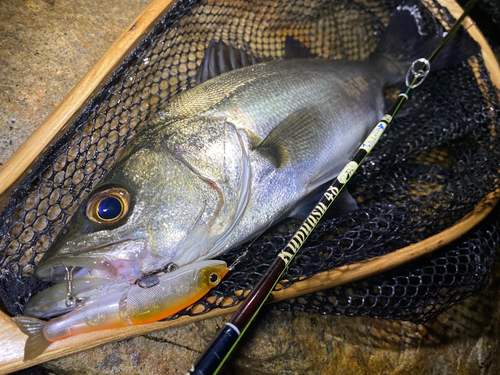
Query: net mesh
{"points": [[431, 168]]}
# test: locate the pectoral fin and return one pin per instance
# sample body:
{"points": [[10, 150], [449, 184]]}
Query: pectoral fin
{"points": [[295, 139]]}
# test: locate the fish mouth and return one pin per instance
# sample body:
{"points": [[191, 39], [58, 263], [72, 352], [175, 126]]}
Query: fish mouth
{"points": [[117, 260], [98, 271], [54, 301]]}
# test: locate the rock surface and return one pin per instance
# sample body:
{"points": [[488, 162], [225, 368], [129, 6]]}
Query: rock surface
{"points": [[46, 47]]}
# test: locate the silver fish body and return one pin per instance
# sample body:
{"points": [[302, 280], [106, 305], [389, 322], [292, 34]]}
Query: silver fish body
{"points": [[223, 161]]}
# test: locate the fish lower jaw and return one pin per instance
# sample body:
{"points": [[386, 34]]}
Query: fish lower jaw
{"points": [[55, 301], [91, 278]]}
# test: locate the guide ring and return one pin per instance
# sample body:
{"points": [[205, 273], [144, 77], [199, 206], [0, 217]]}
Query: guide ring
{"points": [[419, 75]]}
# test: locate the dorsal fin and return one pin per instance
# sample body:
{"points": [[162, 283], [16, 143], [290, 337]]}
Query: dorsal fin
{"points": [[221, 58], [295, 50]]}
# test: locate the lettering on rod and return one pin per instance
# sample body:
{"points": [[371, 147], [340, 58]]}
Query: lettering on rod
{"points": [[305, 229]]}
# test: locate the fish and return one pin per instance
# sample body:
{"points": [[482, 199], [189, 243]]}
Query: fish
{"points": [[136, 305], [249, 146]]}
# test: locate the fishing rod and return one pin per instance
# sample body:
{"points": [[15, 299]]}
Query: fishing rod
{"points": [[214, 356]]}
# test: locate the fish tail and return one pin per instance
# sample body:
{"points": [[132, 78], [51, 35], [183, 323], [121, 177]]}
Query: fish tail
{"points": [[36, 343], [414, 33]]}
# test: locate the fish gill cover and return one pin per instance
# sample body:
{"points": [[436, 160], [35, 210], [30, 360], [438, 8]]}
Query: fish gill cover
{"points": [[431, 168]]}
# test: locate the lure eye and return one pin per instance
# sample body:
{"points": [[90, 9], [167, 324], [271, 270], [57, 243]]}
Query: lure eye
{"points": [[108, 206], [214, 278]]}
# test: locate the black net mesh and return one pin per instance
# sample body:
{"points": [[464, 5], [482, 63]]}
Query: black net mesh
{"points": [[431, 168]]}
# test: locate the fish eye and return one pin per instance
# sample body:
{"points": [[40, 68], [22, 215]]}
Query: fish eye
{"points": [[108, 206], [214, 278]]}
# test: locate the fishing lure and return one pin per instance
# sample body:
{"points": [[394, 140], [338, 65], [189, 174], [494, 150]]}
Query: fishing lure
{"points": [[175, 291]]}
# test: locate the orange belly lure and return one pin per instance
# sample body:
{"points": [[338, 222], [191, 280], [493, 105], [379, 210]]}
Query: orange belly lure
{"points": [[175, 291]]}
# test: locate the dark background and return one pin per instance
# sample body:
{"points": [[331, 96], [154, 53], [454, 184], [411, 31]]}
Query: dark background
{"points": [[486, 14]]}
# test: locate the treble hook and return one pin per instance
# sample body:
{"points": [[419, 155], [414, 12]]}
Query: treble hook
{"points": [[71, 301]]}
